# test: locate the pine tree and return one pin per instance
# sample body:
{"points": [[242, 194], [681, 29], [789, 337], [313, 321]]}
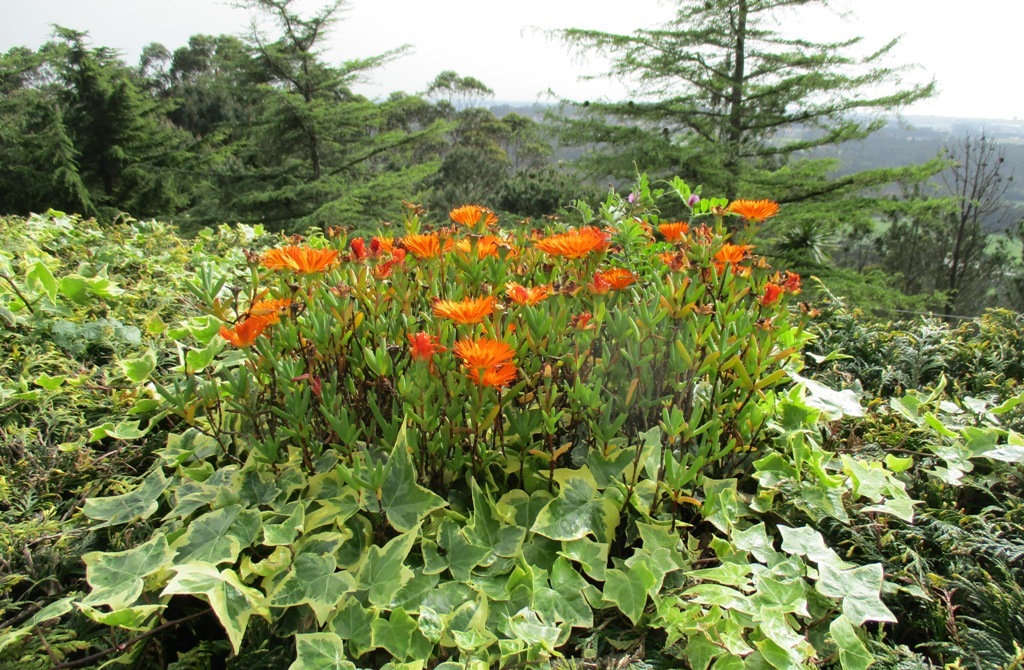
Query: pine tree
{"points": [[722, 98], [315, 153]]}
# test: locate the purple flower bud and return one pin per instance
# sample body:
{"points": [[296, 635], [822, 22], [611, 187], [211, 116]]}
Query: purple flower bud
{"points": [[694, 199], [631, 198]]}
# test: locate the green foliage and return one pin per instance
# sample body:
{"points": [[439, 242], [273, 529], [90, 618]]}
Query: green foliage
{"points": [[82, 307], [372, 503], [659, 482]]}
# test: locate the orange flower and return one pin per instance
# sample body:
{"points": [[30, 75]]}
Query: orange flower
{"points": [[525, 296], [304, 260], [472, 215], [358, 250], [754, 211], [379, 245], [581, 321], [673, 232], [468, 310], [486, 245], [575, 243], [424, 246], [772, 291], [423, 346], [617, 278], [484, 353], [676, 260], [733, 253], [495, 377], [487, 362], [383, 269], [269, 310], [792, 282], [245, 332]]}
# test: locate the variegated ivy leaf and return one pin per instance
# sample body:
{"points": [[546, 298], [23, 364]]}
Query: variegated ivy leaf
{"points": [[853, 655], [232, 601], [320, 651], [131, 618], [404, 501], [628, 590], [400, 635], [384, 571], [137, 504], [218, 536], [117, 578], [860, 590], [578, 510], [313, 581]]}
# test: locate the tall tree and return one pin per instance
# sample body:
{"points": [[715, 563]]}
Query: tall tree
{"points": [[720, 96], [316, 153], [946, 244]]}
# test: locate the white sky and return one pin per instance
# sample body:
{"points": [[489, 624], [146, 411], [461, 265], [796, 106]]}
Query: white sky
{"points": [[971, 49]]}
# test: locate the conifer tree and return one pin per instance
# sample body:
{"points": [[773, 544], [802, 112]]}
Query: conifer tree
{"points": [[316, 153], [725, 96]]}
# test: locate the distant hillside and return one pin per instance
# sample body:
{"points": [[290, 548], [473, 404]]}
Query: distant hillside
{"points": [[914, 139]]}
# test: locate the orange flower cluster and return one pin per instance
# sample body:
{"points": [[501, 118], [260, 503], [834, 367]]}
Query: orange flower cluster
{"points": [[487, 362], [615, 279], [673, 232], [466, 311], [525, 296], [304, 260], [575, 243], [754, 211], [472, 215]]}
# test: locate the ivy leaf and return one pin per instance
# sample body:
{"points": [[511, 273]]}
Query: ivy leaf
{"points": [[805, 541], [853, 655], [859, 588], [384, 571], [132, 618], [40, 275], [404, 501], [138, 369], [592, 556], [571, 606], [755, 540], [116, 578], [58, 608], [320, 651], [218, 536], [462, 556], [400, 635], [353, 623], [722, 505], [628, 590], [280, 528], [313, 581], [576, 512], [232, 601]]}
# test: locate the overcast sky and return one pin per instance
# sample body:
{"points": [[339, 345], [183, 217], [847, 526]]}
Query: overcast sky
{"points": [[972, 49]]}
